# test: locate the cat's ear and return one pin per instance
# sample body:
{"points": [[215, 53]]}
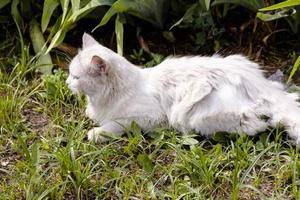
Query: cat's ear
{"points": [[88, 40], [98, 65]]}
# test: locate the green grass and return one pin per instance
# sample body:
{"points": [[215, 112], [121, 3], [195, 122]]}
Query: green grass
{"points": [[44, 153]]}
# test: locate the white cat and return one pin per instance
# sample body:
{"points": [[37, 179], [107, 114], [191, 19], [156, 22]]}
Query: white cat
{"points": [[205, 94]]}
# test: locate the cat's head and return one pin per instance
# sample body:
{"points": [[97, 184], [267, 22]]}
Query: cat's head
{"points": [[92, 68]]}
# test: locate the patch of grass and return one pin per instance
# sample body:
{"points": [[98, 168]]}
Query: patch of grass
{"points": [[44, 154]]}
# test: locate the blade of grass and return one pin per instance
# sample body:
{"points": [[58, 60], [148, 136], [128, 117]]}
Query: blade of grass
{"points": [[254, 162], [295, 68]]}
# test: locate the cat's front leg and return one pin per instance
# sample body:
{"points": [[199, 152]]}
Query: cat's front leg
{"points": [[98, 134], [89, 112]]}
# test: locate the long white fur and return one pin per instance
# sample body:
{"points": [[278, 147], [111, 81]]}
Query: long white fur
{"points": [[205, 94]]}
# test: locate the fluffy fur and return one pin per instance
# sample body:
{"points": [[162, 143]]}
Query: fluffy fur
{"points": [[205, 94]]}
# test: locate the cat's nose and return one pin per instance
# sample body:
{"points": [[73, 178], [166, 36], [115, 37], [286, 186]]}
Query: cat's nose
{"points": [[68, 81]]}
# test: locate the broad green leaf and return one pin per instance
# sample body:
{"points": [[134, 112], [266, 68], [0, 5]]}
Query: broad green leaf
{"points": [[84, 2], [285, 4], [188, 140], [3, 3], [58, 32], [49, 7], [283, 9], [188, 14], [295, 68], [204, 4], [67, 23], [57, 39], [111, 12], [54, 28], [44, 62], [119, 29], [145, 162], [150, 10], [253, 5], [207, 4], [75, 5], [64, 6], [78, 14], [16, 14], [276, 15], [157, 136]]}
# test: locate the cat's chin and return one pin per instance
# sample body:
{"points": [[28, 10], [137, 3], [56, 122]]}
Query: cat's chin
{"points": [[75, 91]]}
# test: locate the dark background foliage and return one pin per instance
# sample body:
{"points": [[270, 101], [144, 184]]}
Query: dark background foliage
{"points": [[155, 26]]}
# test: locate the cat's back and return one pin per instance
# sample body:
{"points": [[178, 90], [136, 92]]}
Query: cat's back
{"points": [[180, 68], [192, 78], [216, 68], [230, 63]]}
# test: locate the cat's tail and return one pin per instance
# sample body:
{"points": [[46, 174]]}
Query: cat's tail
{"points": [[286, 110]]}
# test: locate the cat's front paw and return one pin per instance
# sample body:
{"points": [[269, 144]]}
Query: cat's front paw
{"points": [[88, 113], [95, 135], [295, 132]]}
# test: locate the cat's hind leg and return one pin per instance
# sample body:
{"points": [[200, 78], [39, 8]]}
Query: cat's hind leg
{"points": [[287, 112], [251, 123], [291, 121]]}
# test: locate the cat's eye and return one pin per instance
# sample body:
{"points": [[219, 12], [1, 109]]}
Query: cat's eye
{"points": [[75, 77]]}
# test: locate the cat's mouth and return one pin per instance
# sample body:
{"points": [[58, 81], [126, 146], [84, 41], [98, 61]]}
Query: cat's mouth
{"points": [[74, 90]]}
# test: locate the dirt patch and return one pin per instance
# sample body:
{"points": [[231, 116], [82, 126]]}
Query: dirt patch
{"points": [[35, 119], [267, 187], [8, 160]]}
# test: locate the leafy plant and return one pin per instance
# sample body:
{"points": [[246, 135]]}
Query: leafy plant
{"points": [[30, 12], [153, 11], [199, 18], [72, 12], [22, 14], [252, 5], [138, 55], [289, 10], [156, 58]]}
